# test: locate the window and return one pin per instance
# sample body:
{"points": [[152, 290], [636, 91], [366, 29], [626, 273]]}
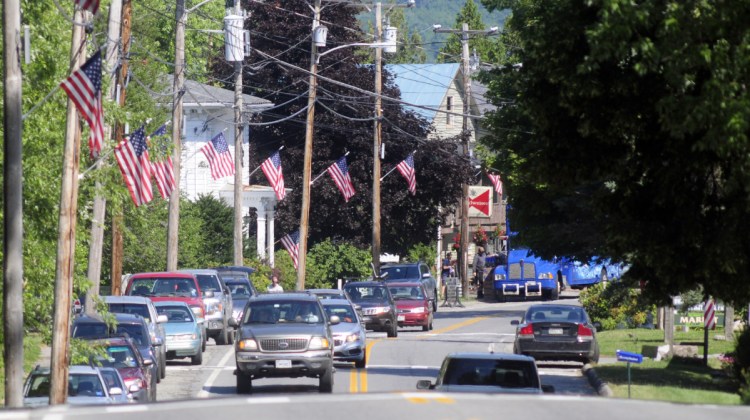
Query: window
{"points": [[449, 108]]}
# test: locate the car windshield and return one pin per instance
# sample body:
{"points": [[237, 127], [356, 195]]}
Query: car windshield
{"points": [[283, 312], [344, 312], [130, 308], [239, 289], [85, 385], [90, 330], [489, 372], [175, 314], [111, 379], [134, 331], [367, 293], [208, 283], [162, 287], [230, 275], [119, 357], [555, 314], [401, 272], [406, 292]]}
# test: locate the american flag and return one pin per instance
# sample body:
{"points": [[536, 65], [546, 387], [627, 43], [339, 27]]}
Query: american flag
{"points": [[272, 168], [339, 171], [84, 88], [90, 5], [163, 170], [406, 168], [132, 157], [219, 158], [291, 243], [497, 182]]}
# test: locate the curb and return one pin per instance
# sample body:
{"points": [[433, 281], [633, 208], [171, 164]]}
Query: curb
{"points": [[601, 387]]}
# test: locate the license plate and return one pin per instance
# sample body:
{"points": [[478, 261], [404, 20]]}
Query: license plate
{"points": [[283, 364], [555, 331], [402, 317], [531, 283]]}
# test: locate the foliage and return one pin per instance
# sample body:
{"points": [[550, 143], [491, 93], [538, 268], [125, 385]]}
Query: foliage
{"points": [[488, 49], [480, 236], [614, 305], [329, 261], [690, 298], [622, 133], [423, 252], [84, 351], [741, 358]]}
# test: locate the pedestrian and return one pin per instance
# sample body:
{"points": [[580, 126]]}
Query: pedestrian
{"points": [[447, 266], [275, 287], [479, 261]]}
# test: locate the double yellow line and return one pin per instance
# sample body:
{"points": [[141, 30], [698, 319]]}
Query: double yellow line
{"points": [[358, 377]]}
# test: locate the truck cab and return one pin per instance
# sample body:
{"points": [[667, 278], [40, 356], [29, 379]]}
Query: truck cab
{"points": [[525, 276]]}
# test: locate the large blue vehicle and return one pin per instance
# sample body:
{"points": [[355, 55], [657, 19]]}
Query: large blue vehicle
{"points": [[524, 276], [579, 275]]}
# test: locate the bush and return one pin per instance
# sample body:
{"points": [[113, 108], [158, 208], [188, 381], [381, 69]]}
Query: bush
{"points": [[741, 364], [615, 305]]}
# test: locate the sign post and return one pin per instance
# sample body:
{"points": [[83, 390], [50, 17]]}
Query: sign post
{"points": [[626, 356], [709, 322]]}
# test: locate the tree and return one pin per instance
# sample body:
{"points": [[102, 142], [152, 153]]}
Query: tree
{"points": [[623, 133], [487, 49]]}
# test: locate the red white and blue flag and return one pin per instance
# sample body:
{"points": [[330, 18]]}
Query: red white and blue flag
{"points": [[272, 168], [291, 243], [339, 171], [497, 183], [406, 168], [163, 170], [84, 88], [219, 158], [90, 5], [132, 157]]}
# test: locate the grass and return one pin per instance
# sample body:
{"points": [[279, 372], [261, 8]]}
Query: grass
{"points": [[32, 345], [679, 380]]}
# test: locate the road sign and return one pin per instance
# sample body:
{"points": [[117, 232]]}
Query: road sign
{"points": [[480, 201], [626, 356]]}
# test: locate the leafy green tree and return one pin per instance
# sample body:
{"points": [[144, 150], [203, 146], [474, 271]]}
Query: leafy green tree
{"points": [[329, 261], [410, 49], [488, 49], [622, 133]]}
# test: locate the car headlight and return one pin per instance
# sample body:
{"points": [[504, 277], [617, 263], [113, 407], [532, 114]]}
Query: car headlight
{"points": [[419, 310], [197, 311], [248, 345], [318, 343], [212, 307], [179, 337], [499, 276], [352, 337]]}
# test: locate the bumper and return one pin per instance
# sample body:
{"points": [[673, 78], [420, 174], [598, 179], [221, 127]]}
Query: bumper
{"points": [[280, 365], [349, 352], [214, 323], [183, 348], [376, 323], [556, 350], [413, 320]]}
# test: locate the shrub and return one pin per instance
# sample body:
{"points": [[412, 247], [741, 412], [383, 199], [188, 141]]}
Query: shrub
{"points": [[614, 304]]}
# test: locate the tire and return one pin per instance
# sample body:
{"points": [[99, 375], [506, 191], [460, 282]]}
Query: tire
{"points": [[244, 383], [197, 359], [230, 336], [426, 327], [392, 330], [164, 366], [203, 343], [430, 325], [157, 371], [221, 338], [360, 364], [434, 302], [325, 385]]}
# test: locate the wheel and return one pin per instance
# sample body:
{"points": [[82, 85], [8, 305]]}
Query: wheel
{"points": [[430, 325], [434, 302], [326, 381], [203, 343], [221, 338], [197, 359], [392, 330], [157, 370], [360, 364], [230, 336], [244, 383], [426, 327], [164, 366]]}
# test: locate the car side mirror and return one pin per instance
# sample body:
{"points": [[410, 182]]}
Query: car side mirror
{"points": [[548, 389], [161, 319], [424, 384], [334, 319], [115, 391], [426, 275], [148, 362], [158, 341], [134, 388], [597, 325], [233, 323], [514, 322]]}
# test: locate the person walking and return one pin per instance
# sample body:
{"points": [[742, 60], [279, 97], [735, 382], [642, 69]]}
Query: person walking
{"points": [[275, 287], [478, 281]]}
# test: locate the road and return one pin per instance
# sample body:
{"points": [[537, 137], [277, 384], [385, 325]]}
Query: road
{"points": [[394, 364]]}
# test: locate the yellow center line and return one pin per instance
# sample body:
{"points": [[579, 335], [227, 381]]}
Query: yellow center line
{"points": [[353, 381], [354, 386], [457, 326]]}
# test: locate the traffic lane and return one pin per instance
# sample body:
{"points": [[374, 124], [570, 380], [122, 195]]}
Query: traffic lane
{"points": [[185, 381]]}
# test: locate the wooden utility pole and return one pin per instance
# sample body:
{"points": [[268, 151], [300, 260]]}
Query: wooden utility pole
{"points": [[377, 142], [100, 203], [67, 230], [12, 206], [238, 260], [178, 87], [307, 166]]}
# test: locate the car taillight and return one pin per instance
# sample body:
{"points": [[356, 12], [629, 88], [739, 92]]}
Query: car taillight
{"points": [[585, 333], [527, 331]]}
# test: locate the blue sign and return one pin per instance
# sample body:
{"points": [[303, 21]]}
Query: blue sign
{"points": [[626, 356]]}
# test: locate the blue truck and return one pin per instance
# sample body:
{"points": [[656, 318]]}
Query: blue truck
{"points": [[524, 276], [579, 275]]}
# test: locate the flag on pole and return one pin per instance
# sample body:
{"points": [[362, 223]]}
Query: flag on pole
{"points": [[132, 157], [497, 182], [163, 170], [406, 168], [219, 158], [272, 168], [709, 318], [90, 5], [291, 243], [84, 88], [339, 171]]}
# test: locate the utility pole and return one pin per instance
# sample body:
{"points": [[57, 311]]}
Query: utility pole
{"points": [[377, 143], [307, 166], [100, 203], [179, 82], [238, 260], [67, 230], [13, 206]]}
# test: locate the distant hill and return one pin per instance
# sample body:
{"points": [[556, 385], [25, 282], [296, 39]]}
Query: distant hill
{"points": [[443, 12]]}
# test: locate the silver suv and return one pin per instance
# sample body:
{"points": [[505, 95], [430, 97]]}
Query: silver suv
{"points": [[284, 335], [218, 302]]}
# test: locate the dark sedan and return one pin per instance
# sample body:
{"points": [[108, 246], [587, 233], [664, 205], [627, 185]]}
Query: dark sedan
{"points": [[557, 332]]}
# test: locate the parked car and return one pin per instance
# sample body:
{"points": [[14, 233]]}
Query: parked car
{"points": [[85, 387], [218, 303], [183, 330], [242, 290], [557, 332], [143, 306], [414, 308], [487, 373], [133, 326], [349, 336], [378, 307], [113, 379], [330, 293], [136, 371], [161, 286], [284, 335], [418, 271]]}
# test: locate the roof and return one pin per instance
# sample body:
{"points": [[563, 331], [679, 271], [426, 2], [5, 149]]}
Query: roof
{"points": [[126, 299], [199, 271], [366, 283], [172, 303], [241, 268], [327, 302], [490, 356], [163, 274], [284, 296], [423, 84], [208, 96]]}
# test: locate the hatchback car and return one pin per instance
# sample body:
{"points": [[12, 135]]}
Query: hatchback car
{"points": [[218, 303], [349, 336], [418, 271], [557, 332], [378, 308], [183, 331], [86, 386], [414, 308], [488, 373]]}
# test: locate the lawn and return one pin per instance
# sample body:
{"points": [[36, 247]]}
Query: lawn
{"points": [[634, 340], [31, 350]]}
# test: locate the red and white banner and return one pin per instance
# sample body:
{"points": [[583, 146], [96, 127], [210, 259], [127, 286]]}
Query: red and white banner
{"points": [[709, 318], [480, 201]]}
